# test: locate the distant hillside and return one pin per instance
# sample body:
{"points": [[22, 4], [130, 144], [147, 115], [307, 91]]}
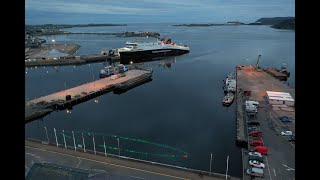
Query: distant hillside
{"points": [[286, 24], [274, 20]]}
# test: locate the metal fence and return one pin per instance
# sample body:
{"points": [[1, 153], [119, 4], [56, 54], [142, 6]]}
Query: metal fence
{"points": [[122, 147]]}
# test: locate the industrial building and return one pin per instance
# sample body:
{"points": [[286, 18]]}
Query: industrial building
{"points": [[280, 98]]}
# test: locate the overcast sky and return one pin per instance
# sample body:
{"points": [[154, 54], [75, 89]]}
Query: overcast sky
{"points": [[139, 11]]}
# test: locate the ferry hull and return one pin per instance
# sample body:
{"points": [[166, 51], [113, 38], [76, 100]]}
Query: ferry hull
{"points": [[149, 55]]}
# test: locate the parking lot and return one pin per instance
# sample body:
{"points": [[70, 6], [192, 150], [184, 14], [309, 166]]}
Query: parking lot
{"points": [[280, 161]]}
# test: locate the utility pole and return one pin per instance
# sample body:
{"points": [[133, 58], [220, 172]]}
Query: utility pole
{"points": [[55, 134], [210, 163]]}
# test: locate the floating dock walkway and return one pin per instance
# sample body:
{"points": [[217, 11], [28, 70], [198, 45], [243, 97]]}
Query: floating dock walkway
{"points": [[64, 99]]}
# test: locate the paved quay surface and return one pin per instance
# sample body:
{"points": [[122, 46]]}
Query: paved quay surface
{"points": [[37, 152], [89, 87], [280, 161]]}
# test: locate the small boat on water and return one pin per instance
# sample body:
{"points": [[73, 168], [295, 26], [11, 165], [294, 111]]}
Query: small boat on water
{"points": [[228, 99]]}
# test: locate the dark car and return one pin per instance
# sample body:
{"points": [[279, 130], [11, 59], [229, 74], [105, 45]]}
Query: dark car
{"points": [[284, 119], [292, 138], [253, 123], [257, 158], [253, 130]]}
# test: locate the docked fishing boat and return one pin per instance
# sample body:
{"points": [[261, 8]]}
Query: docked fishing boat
{"points": [[228, 99], [230, 83]]}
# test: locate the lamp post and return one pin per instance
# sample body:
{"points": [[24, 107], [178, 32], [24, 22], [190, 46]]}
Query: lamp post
{"points": [[227, 168], [210, 163], [64, 139], [94, 144], [47, 134], [118, 147], [84, 145], [104, 144], [74, 142], [55, 134], [53, 42]]}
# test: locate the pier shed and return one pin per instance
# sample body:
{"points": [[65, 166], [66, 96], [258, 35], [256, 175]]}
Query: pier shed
{"points": [[280, 98]]}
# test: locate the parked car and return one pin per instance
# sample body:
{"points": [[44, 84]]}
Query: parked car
{"points": [[253, 128], [253, 123], [286, 133], [256, 158], [256, 143], [292, 138], [285, 119], [257, 172], [257, 164], [256, 134], [255, 154], [261, 149]]}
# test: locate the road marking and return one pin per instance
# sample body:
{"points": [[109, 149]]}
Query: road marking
{"points": [[99, 170], [108, 163], [274, 172], [79, 162], [288, 168], [273, 119], [33, 155], [268, 167], [136, 177]]}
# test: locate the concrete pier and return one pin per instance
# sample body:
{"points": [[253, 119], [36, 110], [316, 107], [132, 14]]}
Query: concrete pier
{"points": [[40, 107]]}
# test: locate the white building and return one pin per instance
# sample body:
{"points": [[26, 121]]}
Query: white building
{"points": [[280, 98]]}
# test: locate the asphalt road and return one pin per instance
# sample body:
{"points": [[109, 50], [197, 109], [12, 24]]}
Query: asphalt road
{"points": [[36, 152]]}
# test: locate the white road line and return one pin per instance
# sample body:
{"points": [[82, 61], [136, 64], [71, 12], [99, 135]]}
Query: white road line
{"points": [[151, 172], [136, 177], [268, 167], [274, 172], [33, 155], [273, 119], [79, 162], [99, 170]]}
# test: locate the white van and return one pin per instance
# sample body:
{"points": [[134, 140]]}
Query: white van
{"points": [[251, 109], [256, 172], [254, 103]]}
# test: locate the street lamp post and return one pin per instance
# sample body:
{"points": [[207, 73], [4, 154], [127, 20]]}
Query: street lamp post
{"points": [[74, 142], [64, 139], [55, 134], [84, 145], [227, 168], [47, 134], [104, 144], [118, 147], [94, 144], [210, 163]]}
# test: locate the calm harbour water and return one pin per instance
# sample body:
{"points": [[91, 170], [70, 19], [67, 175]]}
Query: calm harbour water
{"points": [[181, 107]]}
